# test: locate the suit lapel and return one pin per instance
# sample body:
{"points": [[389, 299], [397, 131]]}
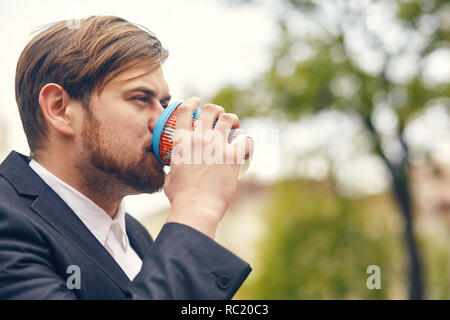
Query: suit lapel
{"points": [[58, 214], [138, 241]]}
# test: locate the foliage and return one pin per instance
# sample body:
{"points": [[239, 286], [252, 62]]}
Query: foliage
{"points": [[332, 75], [437, 265], [319, 246]]}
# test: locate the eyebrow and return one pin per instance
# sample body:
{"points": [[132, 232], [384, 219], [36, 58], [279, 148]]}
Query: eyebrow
{"points": [[149, 92]]}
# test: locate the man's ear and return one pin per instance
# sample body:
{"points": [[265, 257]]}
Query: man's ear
{"points": [[55, 105]]}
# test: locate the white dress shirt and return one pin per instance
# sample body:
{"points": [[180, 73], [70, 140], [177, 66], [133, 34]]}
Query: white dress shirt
{"points": [[111, 233]]}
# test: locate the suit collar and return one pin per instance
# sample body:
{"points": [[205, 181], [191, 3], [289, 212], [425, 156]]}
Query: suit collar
{"points": [[57, 213], [16, 170]]}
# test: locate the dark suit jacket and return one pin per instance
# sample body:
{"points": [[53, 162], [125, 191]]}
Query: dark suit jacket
{"points": [[40, 237]]}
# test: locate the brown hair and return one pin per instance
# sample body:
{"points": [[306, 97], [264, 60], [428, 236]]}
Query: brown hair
{"points": [[80, 57]]}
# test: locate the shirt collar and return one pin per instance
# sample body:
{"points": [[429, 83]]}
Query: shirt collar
{"points": [[95, 218]]}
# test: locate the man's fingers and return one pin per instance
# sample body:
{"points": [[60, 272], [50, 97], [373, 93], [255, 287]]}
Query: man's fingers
{"points": [[210, 112], [209, 142], [249, 148], [227, 121], [242, 148], [185, 113]]}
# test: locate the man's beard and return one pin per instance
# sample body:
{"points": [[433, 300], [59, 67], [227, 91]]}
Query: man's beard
{"points": [[109, 164]]}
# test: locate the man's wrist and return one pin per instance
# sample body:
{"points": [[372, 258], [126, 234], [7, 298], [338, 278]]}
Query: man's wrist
{"points": [[200, 218]]}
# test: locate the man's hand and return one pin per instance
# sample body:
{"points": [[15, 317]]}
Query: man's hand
{"points": [[204, 168]]}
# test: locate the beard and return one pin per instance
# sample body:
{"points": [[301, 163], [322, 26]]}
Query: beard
{"points": [[107, 164]]}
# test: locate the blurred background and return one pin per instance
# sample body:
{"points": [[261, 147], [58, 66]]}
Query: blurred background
{"points": [[349, 104]]}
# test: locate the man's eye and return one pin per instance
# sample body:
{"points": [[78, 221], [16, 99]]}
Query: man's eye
{"points": [[165, 105], [142, 98]]}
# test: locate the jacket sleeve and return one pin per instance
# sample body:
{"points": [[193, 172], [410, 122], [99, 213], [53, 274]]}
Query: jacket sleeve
{"points": [[183, 264], [26, 271]]}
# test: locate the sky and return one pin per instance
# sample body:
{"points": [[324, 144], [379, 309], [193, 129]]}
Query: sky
{"points": [[210, 44]]}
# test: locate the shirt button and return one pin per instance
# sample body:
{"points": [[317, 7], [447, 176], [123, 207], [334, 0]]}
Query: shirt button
{"points": [[223, 281]]}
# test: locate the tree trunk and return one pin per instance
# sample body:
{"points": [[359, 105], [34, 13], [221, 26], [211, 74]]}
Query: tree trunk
{"points": [[400, 187], [400, 179]]}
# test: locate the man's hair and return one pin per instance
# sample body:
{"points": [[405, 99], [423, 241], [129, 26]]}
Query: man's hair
{"points": [[80, 56]]}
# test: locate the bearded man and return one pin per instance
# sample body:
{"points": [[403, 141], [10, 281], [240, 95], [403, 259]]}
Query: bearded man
{"points": [[89, 98]]}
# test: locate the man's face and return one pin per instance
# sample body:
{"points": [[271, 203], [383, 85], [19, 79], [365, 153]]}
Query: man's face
{"points": [[116, 135]]}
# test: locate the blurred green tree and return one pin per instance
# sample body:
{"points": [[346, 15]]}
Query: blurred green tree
{"points": [[324, 245], [351, 56]]}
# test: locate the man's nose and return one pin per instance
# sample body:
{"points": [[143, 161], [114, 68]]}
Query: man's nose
{"points": [[156, 113]]}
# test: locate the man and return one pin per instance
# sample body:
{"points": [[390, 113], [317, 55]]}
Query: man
{"points": [[89, 98]]}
